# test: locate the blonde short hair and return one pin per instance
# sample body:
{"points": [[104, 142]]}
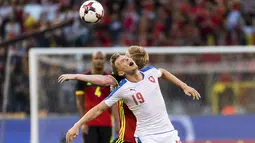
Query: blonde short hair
{"points": [[139, 55]]}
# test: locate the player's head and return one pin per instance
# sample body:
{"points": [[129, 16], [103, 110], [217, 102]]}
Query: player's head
{"points": [[122, 64], [139, 55], [98, 60]]}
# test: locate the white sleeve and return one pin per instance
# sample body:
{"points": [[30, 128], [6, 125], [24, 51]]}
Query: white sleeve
{"points": [[113, 97], [158, 73]]}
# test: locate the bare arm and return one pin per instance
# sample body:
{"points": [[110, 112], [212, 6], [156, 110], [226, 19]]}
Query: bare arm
{"points": [[92, 114], [112, 99], [187, 89], [95, 79], [116, 117], [168, 76]]}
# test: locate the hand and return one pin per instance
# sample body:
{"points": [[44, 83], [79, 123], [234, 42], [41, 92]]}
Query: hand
{"points": [[72, 133], [84, 129], [191, 92], [66, 77]]}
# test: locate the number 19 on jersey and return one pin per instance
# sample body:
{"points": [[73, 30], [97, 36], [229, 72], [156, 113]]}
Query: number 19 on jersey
{"points": [[138, 98]]}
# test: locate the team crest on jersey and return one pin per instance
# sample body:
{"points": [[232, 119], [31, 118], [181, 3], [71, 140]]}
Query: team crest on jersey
{"points": [[151, 79]]}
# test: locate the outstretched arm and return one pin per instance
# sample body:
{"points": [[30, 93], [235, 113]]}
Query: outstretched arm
{"points": [[168, 76], [95, 79], [90, 115], [116, 117], [187, 89], [109, 101]]}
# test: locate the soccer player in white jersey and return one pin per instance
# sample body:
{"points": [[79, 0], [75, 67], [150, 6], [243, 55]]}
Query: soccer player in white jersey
{"points": [[140, 90]]}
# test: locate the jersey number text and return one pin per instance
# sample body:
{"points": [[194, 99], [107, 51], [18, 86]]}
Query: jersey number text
{"points": [[98, 92], [138, 98]]}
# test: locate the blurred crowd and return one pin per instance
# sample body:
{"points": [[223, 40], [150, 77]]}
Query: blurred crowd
{"points": [[143, 22], [126, 22]]}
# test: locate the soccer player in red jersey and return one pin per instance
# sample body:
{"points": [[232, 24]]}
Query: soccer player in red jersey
{"points": [[89, 95], [127, 118]]}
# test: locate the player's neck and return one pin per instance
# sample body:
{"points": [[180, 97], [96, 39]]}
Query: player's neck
{"points": [[136, 77], [97, 71]]}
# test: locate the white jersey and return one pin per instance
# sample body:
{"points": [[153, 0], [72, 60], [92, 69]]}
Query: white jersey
{"points": [[145, 100]]}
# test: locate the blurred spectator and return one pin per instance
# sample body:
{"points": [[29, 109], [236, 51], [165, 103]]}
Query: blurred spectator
{"points": [[34, 9], [248, 29], [234, 15], [115, 28], [226, 100], [11, 27]]}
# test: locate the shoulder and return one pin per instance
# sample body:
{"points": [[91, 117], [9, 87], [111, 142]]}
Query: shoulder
{"points": [[148, 68], [122, 84], [151, 70], [121, 87]]}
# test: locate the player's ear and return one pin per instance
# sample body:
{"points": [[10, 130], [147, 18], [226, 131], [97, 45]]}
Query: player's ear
{"points": [[121, 73]]}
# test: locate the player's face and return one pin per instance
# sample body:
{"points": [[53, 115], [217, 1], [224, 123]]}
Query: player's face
{"points": [[98, 60], [125, 65]]}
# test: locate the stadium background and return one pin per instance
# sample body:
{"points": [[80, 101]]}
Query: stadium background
{"points": [[225, 113]]}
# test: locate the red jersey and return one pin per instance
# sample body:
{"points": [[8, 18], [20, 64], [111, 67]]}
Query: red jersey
{"points": [[93, 95], [127, 123], [127, 120]]}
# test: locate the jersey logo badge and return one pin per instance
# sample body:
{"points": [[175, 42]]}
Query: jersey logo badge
{"points": [[131, 90], [151, 79]]}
